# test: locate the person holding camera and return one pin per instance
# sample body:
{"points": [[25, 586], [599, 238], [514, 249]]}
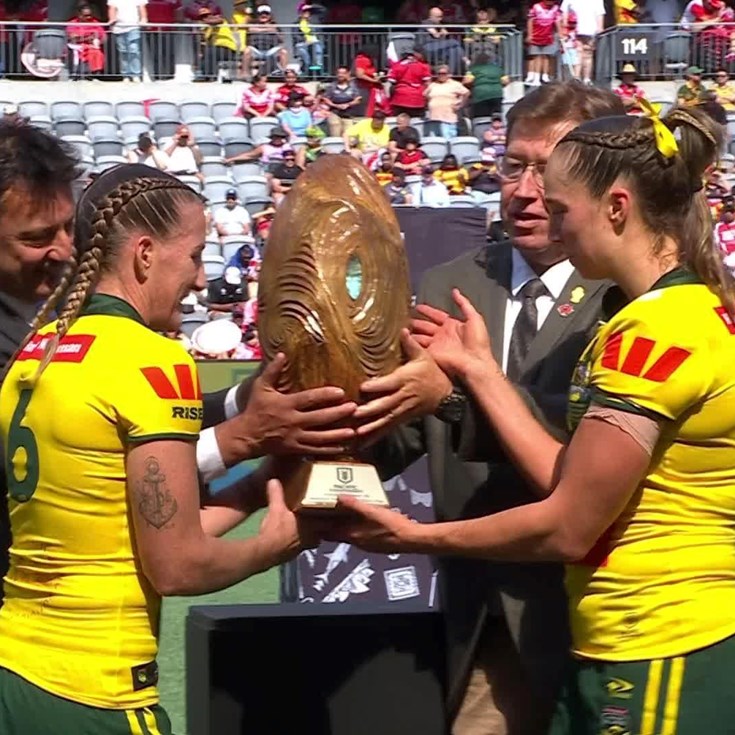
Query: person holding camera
{"points": [[183, 154], [147, 153]]}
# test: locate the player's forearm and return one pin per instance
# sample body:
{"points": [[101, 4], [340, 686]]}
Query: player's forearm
{"points": [[531, 448]]}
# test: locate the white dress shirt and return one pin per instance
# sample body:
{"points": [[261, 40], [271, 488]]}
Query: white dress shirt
{"points": [[554, 278], [209, 457]]}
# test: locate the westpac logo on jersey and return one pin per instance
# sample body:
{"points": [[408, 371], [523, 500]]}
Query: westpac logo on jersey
{"points": [[72, 347], [643, 359], [184, 386]]}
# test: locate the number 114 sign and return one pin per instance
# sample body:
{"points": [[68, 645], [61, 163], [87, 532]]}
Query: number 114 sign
{"points": [[635, 46]]}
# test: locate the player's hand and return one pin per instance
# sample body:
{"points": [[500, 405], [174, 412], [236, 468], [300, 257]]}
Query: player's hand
{"points": [[372, 528], [293, 423], [412, 390], [456, 345], [282, 533]]}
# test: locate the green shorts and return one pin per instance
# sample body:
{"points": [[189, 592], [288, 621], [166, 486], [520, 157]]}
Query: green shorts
{"points": [[25, 709], [684, 695]]}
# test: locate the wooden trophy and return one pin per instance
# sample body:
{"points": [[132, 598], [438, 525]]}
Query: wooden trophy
{"points": [[333, 296]]}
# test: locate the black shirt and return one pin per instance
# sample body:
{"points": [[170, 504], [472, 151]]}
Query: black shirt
{"points": [[399, 136], [221, 292], [285, 174]]}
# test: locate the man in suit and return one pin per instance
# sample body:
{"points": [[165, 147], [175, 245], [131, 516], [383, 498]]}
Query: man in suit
{"points": [[36, 227], [507, 624]]}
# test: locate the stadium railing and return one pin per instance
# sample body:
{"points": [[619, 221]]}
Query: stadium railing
{"points": [[662, 51], [176, 51]]}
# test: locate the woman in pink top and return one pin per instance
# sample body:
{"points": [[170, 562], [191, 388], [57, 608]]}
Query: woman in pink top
{"points": [[257, 100]]}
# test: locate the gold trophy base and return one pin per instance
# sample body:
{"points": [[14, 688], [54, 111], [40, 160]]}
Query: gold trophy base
{"points": [[315, 486]]}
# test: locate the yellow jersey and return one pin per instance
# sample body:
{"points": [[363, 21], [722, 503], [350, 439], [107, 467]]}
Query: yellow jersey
{"points": [[661, 580], [367, 136], [80, 620]]}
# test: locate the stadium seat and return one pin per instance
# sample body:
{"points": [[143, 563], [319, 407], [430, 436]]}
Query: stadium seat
{"points": [[63, 128], [418, 123], [212, 247], [81, 144], [107, 147], [134, 126], [214, 267], [233, 128], [213, 166], [464, 145], [462, 200], [677, 52], [209, 147], [215, 187], [252, 187], [202, 127], [480, 125], [236, 147], [43, 122], [190, 322], [297, 143], [246, 169], [191, 109], [470, 160], [192, 182], [129, 108], [434, 147], [31, 108], [102, 128], [98, 108], [165, 128], [260, 127], [257, 204], [66, 110], [163, 110], [400, 43], [214, 205], [507, 104], [105, 162], [333, 144], [222, 111], [232, 243]]}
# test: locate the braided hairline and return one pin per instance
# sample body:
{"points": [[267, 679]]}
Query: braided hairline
{"points": [[88, 269], [683, 116], [614, 141]]}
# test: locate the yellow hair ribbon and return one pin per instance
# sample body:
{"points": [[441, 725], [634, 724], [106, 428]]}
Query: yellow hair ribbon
{"points": [[665, 140]]}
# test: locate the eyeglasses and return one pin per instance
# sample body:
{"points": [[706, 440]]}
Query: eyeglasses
{"points": [[512, 170]]}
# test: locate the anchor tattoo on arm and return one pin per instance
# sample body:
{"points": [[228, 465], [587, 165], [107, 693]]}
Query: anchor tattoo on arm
{"points": [[155, 503]]}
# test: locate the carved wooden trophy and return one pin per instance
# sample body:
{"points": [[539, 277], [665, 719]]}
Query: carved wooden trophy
{"points": [[333, 296]]}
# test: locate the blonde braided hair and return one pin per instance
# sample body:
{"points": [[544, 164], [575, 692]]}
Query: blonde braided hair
{"points": [[108, 224]]}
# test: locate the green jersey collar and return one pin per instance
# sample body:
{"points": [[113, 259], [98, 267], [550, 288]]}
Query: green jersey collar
{"points": [[104, 304], [677, 277]]}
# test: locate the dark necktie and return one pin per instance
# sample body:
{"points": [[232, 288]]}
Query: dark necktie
{"points": [[525, 328]]}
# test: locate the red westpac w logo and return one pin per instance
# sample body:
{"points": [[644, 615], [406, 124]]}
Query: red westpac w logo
{"points": [[641, 353], [187, 386]]}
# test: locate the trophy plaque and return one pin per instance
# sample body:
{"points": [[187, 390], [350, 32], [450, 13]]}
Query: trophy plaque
{"points": [[333, 296]]}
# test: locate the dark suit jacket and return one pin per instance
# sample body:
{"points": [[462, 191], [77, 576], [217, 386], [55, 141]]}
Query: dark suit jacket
{"points": [[471, 477]]}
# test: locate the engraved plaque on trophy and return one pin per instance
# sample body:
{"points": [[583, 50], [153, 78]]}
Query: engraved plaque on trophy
{"points": [[333, 296]]}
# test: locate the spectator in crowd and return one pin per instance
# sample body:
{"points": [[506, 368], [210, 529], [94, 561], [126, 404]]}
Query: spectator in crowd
{"points": [[724, 89], [408, 79], [283, 176], [396, 190], [590, 15], [485, 80], [367, 137], [86, 42], [445, 97], [629, 92], [725, 235], [233, 218], [482, 177], [265, 42], [400, 133], [313, 149], [219, 46], [627, 12], [148, 153], [226, 292], [258, 100], [484, 37], [495, 136], [242, 15], [385, 168], [436, 44], [543, 30], [430, 192], [216, 340], [289, 87], [263, 221], [369, 83], [452, 175], [160, 42], [296, 118], [250, 348], [343, 99], [708, 102], [268, 152], [191, 10], [688, 94], [706, 19], [245, 259], [320, 110], [412, 158], [125, 19], [184, 156], [11, 114], [308, 46]]}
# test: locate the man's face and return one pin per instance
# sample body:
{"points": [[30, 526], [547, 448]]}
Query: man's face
{"points": [[377, 124], [436, 15], [522, 203], [722, 77], [289, 160], [290, 78], [35, 242], [85, 14], [231, 202], [402, 121], [342, 75], [695, 78]]}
